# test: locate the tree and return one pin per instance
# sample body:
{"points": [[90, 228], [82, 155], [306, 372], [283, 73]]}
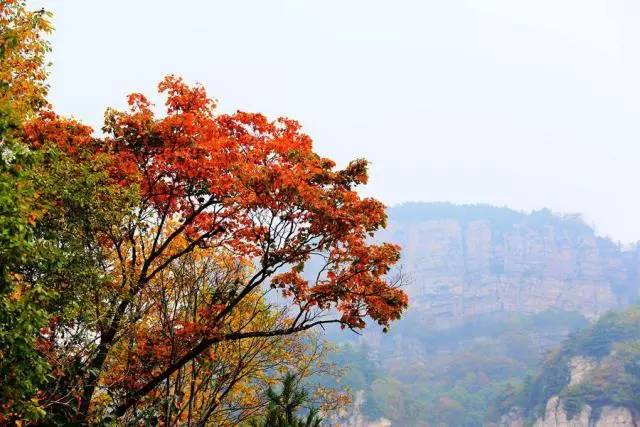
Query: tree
{"points": [[96, 313], [220, 387], [23, 74], [283, 407], [22, 94], [238, 186]]}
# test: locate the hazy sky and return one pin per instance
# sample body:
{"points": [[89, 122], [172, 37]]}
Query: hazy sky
{"points": [[528, 104]]}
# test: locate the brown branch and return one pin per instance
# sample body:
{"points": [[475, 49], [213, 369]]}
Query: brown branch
{"points": [[201, 347]]}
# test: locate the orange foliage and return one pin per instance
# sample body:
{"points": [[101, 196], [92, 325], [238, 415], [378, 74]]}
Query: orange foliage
{"points": [[236, 186]]}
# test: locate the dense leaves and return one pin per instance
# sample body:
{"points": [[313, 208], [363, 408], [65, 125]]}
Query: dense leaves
{"points": [[236, 187], [22, 93]]}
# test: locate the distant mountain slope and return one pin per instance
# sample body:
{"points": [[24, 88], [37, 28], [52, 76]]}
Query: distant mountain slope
{"points": [[593, 379], [492, 291], [419, 377], [468, 260]]}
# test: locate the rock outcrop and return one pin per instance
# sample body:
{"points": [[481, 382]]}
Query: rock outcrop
{"points": [[474, 260], [555, 415], [592, 380], [580, 369]]}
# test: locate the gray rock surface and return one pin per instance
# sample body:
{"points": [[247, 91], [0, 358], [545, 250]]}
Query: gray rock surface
{"points": [[460, 267]]}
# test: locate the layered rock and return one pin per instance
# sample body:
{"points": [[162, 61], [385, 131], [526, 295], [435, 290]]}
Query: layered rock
{"points": [[470, 260]]}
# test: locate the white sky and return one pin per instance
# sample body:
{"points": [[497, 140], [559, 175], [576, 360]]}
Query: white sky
{"points": [[527, 104]]}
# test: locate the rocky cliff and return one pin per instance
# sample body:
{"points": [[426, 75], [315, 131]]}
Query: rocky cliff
{"points": [[556, 415], [492, 291], [592, 380], [470, 260]]}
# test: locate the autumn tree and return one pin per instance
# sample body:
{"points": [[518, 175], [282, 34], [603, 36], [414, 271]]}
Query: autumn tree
{"points": [[22, 94], [51, 205], [239, 185], [223, 385], [168, 266]]}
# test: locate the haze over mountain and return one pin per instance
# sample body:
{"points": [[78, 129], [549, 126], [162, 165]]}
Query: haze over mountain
{"points": [[492, 290]]}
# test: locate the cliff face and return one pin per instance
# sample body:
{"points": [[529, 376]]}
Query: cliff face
{"points": [[493, 292], [470, 260], [592, 380], [609, 416], [555, 414]]}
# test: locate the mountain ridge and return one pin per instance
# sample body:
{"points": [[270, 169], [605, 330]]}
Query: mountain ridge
{"points": [[462, 257]]}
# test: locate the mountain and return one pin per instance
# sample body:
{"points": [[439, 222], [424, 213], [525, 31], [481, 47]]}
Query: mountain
{"points": [[593, 379], [492, 290], [476, 259]]}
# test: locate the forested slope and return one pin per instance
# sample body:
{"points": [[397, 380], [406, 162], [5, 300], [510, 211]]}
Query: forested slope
{"points": [[592, 377]]}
